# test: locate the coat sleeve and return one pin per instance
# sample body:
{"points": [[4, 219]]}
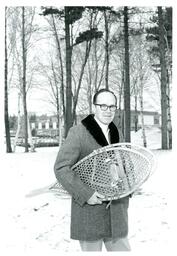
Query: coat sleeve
{"points": [[68, 155]]}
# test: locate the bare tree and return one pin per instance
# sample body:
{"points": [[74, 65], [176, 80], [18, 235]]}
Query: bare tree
{"points": [[6, 109], [58, 87], [106, 48], [51, 85], [60, 100], [69, 117], [95, 71], [141, 85], [127, 114], [75, 98], [139, 69], [24, 60], [86, 39], [22, 21], [164, 105]]}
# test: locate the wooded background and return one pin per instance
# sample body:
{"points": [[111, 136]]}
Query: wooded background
{"points": [[84, 49]]}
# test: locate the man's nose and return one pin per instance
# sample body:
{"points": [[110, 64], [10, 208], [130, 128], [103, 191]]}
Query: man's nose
{"points": [[108, 109]]}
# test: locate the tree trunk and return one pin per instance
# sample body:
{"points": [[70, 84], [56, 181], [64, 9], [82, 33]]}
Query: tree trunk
{"points": [[163, 81], [127, 114], [96, 63], [169, 125], [142, 119], [87, 51], [89, 87], [106, 50], [101, 76], [136, 114], [32, 147], [120, 112], [141, 90], [24, 55], [6, 111], [61, 95], [58, 115], [89, 95], [18, 125], [69, 118]]}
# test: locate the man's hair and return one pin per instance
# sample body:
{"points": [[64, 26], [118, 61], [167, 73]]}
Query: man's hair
{"points": [[99, 92]]}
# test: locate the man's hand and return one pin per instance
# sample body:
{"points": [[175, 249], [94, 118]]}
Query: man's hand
{"points": [[95, 198]]}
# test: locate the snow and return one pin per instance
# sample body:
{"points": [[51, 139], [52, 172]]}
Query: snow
{"points": [[40, 224]]}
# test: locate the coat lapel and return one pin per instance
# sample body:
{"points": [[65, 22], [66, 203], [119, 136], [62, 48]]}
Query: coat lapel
{"points": [[95, 130]]}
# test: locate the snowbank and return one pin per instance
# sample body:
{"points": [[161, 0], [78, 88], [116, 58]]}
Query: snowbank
{"points": [[41, 224]]}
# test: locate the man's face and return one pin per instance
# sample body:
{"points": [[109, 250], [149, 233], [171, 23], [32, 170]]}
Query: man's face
{"points": [[105, 116]]}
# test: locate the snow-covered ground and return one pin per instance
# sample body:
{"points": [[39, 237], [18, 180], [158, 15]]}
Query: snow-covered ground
{"points": [[40, 225]]}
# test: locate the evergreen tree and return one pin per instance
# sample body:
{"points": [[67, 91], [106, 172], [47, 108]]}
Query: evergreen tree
{"points": [[71, 15]]}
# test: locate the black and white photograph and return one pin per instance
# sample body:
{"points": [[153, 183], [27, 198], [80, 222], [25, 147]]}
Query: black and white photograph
{"points": [[87, 131]]}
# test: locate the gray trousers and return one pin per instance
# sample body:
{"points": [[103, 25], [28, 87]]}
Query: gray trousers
{"points": [[119, 244]]}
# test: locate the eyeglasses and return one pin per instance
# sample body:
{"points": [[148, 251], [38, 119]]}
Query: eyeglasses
{"points": [[105, 107]]}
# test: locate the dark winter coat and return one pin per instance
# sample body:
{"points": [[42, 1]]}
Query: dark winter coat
{"points": [[89, 222]]}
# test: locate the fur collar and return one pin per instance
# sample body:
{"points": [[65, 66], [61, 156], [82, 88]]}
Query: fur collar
{"points": [[95, 130]]}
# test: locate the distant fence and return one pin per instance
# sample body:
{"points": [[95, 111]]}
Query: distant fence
{"points": [[38, 142]]}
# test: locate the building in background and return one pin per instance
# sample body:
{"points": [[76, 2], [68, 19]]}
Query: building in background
{"points": [[45, 128]]}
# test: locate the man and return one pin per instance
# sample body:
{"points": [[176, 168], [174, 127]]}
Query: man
{"points": [[92, 222]]}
